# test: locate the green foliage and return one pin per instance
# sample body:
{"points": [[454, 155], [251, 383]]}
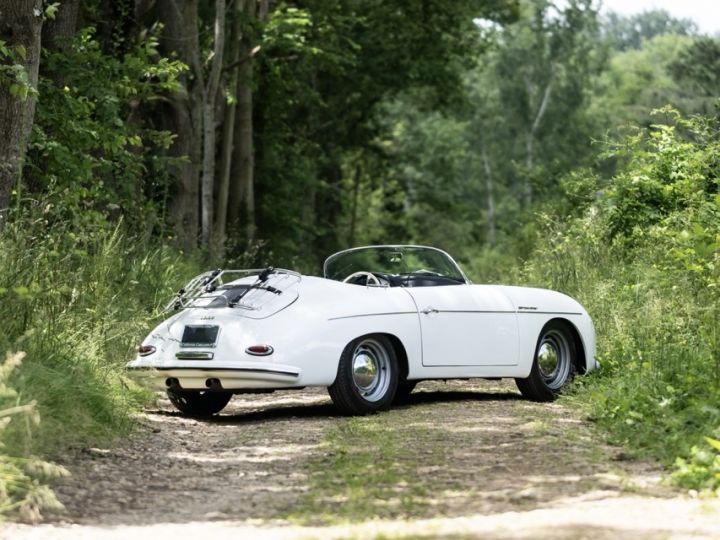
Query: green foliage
{"points": [[13, 74], [630, 32], [644, 259], [324, 75], [77, 302], [701, 469], [23, 493], [698, 67], [89, 147], [639, 80], [472, 174]]}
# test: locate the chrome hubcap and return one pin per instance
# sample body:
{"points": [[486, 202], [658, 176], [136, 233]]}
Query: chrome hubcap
{"points": [[371, 369], [553, 358]]}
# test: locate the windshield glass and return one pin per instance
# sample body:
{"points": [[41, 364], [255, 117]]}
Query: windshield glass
{"points": [[393, 261]]}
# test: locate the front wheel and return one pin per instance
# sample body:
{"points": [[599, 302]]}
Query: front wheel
{"points": [[199, 403], [553, 365], [367, 376]]}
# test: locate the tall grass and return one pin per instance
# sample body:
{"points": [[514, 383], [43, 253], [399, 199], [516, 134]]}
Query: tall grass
{"points": [[657, 392], [77, 303], [643, 256], [22, 488]]}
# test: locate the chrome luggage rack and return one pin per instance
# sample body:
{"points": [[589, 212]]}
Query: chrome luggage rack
{"points": [[201, 291]]}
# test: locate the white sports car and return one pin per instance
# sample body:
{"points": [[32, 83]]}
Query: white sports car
{"points": [[381, 319]]}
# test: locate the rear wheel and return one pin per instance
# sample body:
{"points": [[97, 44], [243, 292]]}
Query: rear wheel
{"points": [[367, 376], [553, 365], [199, 403]]}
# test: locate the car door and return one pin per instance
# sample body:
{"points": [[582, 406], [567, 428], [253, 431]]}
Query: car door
{"points": [[466, 325]]}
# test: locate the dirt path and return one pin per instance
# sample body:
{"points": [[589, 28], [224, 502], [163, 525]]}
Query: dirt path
{"points": [[460, 460]]}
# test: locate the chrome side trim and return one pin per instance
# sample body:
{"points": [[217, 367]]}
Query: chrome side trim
{"points": [[433, 310], [372, 315], [549, 313]]}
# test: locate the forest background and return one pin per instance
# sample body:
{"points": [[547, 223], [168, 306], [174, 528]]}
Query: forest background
{"points": [[142, 141]]}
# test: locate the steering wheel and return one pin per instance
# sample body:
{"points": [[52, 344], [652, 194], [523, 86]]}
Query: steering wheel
{"points": [[369, 276]]}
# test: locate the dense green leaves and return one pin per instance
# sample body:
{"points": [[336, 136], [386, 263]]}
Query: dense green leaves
{"points": [[321, 99], [13, 74], [645, 259], [90, 148]]}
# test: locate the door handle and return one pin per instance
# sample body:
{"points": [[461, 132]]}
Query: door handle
{"points": [[428, 310]]}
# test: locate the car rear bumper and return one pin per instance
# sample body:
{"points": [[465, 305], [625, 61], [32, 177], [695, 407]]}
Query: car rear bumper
{"points": [[228, 378]]}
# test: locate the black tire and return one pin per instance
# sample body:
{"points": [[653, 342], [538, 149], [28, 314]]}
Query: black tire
{"points": [[404, 389], [367, 376], [553, 365], [199, 402]]}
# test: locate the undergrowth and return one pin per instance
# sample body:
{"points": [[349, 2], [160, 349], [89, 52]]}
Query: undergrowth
{"points": [[641, 251], [76, 304]]}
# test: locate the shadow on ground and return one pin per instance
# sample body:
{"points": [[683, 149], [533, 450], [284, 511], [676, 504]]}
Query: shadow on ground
{"points": [[284, 411], [475, 448]]}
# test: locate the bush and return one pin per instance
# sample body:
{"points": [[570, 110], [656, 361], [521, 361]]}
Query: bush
{"points": [[77, 303], [644, 258], [22, 492], [701, 469]]}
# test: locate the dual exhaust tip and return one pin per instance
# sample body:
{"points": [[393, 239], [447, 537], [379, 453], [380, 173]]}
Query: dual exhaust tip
{"points": [[171, 383]]}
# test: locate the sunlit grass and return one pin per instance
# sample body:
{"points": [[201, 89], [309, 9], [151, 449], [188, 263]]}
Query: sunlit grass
{"points": [[76, 304]]}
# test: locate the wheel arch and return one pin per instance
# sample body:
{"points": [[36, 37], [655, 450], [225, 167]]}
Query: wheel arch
{"points": [[398, 348], [401, 355], [581, 359]]}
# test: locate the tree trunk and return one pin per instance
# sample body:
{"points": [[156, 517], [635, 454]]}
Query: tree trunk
{"points": [[20, 26], [355, 196], [243, 155], [180, 36], [209, 103], [329, 205], [58, 31], [489, 188], [242, 186], [530, 138], [228, 136], [116, 25]]}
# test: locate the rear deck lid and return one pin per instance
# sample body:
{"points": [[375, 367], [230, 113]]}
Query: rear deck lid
{"points": [[252, 297]]}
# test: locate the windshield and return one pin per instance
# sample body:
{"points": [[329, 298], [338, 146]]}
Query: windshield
{"points": [[393, 261]]}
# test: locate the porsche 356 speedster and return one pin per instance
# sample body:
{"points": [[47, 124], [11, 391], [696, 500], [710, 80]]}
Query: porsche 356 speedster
{"points": [[381, 319]]}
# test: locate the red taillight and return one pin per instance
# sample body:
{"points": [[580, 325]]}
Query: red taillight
{"points": [[145, 350], [259, 350]]}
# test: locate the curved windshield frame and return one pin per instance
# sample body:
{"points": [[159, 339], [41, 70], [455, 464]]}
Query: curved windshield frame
{"points": [[394, 261]]}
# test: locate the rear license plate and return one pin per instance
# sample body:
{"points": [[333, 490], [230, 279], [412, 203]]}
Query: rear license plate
{"points": [[200, 336]]}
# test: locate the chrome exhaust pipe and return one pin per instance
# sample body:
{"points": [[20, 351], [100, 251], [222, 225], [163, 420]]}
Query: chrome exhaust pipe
{"points": [[172, 383]]}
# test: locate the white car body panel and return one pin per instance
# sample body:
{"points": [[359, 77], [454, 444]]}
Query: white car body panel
{"points": [[477, 331], [466, 325]]}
